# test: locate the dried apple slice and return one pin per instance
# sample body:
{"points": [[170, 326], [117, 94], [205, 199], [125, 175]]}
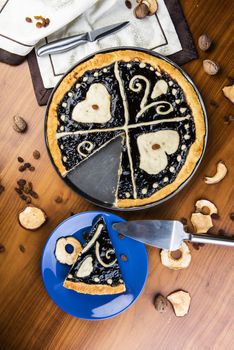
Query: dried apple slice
{"points": [[201, 204], [62, 255], [31, 218], [220, 174], [201, 223], [180, 301], [176, 264]]}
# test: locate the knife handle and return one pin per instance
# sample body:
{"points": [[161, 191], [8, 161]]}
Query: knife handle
{"points": [[219, 240], [62, 45]]}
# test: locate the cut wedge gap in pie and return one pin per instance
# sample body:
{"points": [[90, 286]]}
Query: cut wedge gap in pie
{"points": [[96, 270]]}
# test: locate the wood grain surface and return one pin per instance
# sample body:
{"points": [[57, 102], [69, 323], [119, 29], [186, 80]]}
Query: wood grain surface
{"points": [[28, 317]]}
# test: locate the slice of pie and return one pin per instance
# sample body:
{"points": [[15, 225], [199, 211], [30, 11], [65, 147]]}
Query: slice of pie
{"points": [[143, 99], [96, 270]]}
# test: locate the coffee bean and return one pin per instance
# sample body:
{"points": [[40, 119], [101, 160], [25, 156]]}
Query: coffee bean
{"points": [[32, 168], [27, 165]]}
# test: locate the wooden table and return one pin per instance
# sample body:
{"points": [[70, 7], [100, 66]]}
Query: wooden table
{"points": [[28, 317]]}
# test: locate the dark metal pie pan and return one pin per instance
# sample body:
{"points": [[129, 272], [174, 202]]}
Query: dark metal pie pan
{"points": [[94, 182]]}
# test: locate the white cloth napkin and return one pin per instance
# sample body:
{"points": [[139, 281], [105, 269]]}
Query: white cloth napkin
{"points": [[19, 37], [70, 17]]}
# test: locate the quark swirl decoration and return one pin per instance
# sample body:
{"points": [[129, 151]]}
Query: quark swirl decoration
{"points": [[163, 107], [108, 252], [87, 146]]}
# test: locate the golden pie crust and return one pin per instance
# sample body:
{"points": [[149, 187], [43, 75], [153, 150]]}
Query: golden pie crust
{"points": [[103, 59], [98, 289]]}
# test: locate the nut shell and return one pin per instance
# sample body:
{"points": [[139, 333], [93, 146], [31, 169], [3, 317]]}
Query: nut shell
{"points": [[210, 67], [204, 42]]}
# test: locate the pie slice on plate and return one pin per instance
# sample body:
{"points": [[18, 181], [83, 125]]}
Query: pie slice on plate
{"points": [[96, 270]]}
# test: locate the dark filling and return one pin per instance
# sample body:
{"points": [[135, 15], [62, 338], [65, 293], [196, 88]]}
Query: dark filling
{"points": [[108, 79], [79, 94], [134, 98], [145, 180], [103, 273], [71, 143]]}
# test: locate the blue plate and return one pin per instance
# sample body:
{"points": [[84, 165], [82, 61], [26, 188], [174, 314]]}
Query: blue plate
{"points": [[94, 307]]}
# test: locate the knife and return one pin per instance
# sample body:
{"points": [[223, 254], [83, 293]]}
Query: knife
{"points": [[165, 234], [62, 45]]}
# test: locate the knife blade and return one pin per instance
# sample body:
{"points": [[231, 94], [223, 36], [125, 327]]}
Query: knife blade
{"points": [[66, 44], [164, 234]]}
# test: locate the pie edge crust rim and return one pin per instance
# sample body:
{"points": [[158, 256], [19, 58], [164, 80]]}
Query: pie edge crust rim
{"points": [[98, 289], [103, 59]]}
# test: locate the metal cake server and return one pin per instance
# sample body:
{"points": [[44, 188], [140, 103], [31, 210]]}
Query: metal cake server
{"points": [[66, 44], [165, 234]]}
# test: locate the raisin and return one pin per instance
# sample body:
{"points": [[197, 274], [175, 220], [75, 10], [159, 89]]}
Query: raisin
{"points": [[20, 159], [36, 154], [58, 199], [2, 248]]}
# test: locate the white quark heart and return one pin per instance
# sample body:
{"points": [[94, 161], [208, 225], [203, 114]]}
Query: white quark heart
{"points": [[86, 267], [95, 108], [160, 88], [154, 147]]}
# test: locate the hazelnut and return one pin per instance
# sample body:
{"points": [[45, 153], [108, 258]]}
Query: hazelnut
{"points": [[141, 11], [145, 8], [152, 6], [210, 67], [204, 42], [20, 124], [160, 303]]}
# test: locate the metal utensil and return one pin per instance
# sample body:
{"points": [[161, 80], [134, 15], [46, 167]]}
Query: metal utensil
{"points": [[62, 45], [165, 234]]}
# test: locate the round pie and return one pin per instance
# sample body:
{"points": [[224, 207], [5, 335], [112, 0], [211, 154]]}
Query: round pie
{"points": [[142, 99]]}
